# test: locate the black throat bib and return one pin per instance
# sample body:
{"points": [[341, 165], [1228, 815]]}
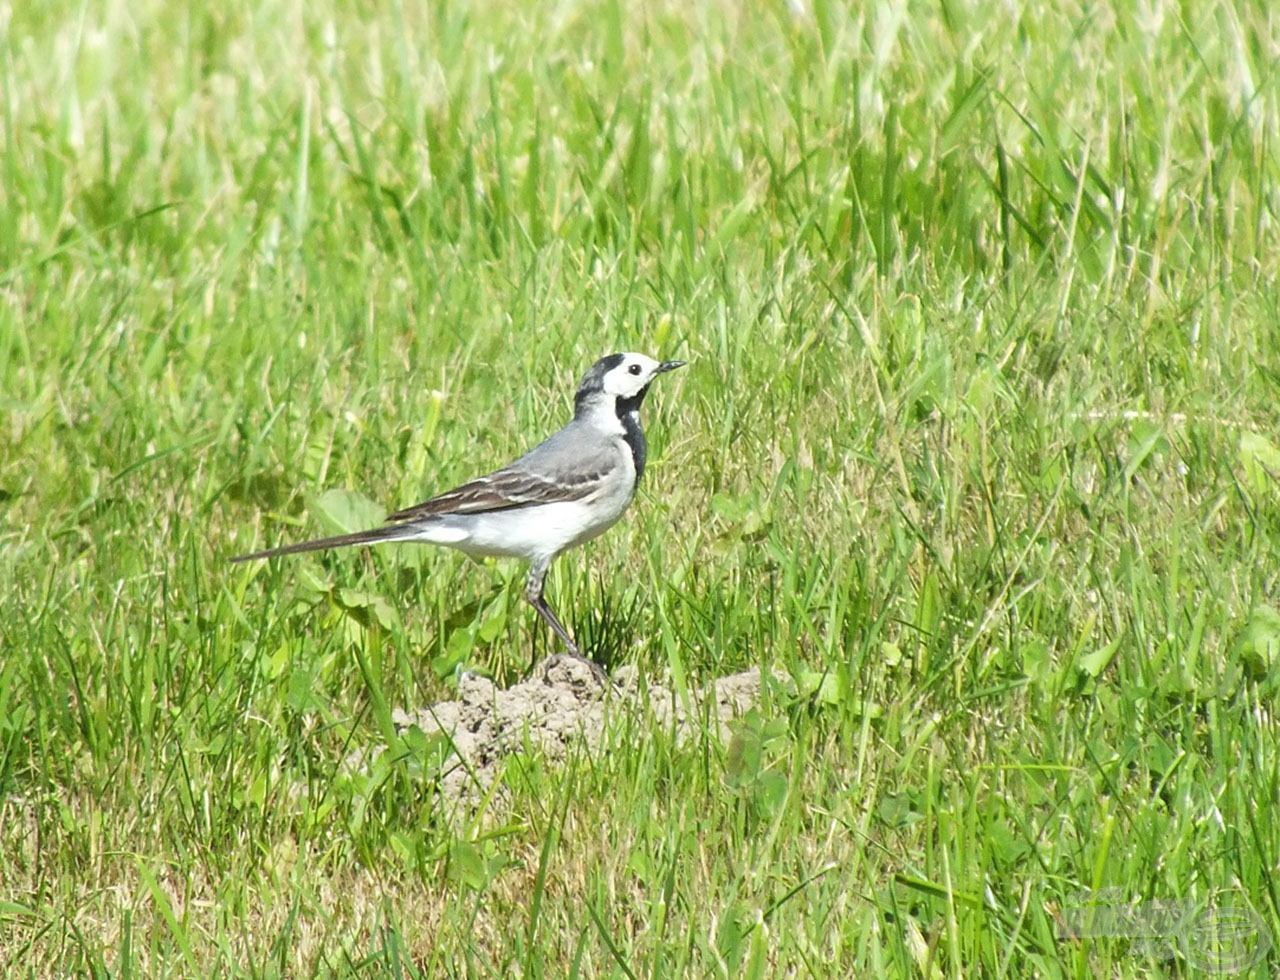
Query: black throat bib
{"points": [[632, 433]]}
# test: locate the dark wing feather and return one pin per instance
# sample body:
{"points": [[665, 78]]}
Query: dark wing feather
{"points": [[503, 490]]}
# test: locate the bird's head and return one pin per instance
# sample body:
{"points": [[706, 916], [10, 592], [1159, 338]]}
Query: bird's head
{"points": [[622, 379]]}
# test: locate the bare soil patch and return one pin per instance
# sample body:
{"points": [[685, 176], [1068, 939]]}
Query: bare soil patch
{"points": [[561, 703]]}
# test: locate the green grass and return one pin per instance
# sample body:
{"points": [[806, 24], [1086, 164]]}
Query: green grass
{"points": [[977, 443]]}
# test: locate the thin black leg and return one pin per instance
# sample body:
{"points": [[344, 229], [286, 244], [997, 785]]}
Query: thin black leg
{"points": [[557, 627], [533, 594]]}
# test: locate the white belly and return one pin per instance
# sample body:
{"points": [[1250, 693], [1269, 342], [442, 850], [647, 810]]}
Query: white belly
{"points": [[531, 533]]}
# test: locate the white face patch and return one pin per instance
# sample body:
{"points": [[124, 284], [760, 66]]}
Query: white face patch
{"points": [[631, 376]]}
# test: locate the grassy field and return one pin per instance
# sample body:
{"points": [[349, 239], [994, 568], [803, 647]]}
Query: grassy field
{"points": [[978, 446]]}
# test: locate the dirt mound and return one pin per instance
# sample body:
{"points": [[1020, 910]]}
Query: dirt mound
{"points": [[562, 701]]}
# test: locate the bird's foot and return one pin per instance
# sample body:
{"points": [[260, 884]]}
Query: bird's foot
{"points": [[597, 672]]}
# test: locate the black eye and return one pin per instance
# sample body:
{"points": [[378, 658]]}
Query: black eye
{"points": [[634, 369]]}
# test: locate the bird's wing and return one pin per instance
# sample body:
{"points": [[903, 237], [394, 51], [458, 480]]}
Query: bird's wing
{"points": [[513, 486], [568, 466]]}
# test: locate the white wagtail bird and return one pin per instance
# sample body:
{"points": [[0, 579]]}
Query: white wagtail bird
{"points": [[562, 493]]}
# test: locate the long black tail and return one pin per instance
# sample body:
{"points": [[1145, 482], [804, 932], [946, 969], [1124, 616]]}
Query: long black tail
{"points": [[374, 536]]}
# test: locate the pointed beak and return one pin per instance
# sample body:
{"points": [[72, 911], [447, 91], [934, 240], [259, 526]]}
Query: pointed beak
{"points": [[666, 366]]}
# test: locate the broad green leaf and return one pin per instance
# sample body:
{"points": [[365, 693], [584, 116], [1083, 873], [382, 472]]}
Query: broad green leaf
{"points": [[1036, 660], [1259, 644], [372, 603], [345, 511], [493, 621], [1007, 847], [298, 692], [457, 649], [1261, 461], [890, 654], [1146, 438], [467, 866], [742, 760], [1093, 664], [770, 793], [895, 811]]}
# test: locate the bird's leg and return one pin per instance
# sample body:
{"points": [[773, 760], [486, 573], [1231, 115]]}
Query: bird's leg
{"points": [[533, 594]]}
